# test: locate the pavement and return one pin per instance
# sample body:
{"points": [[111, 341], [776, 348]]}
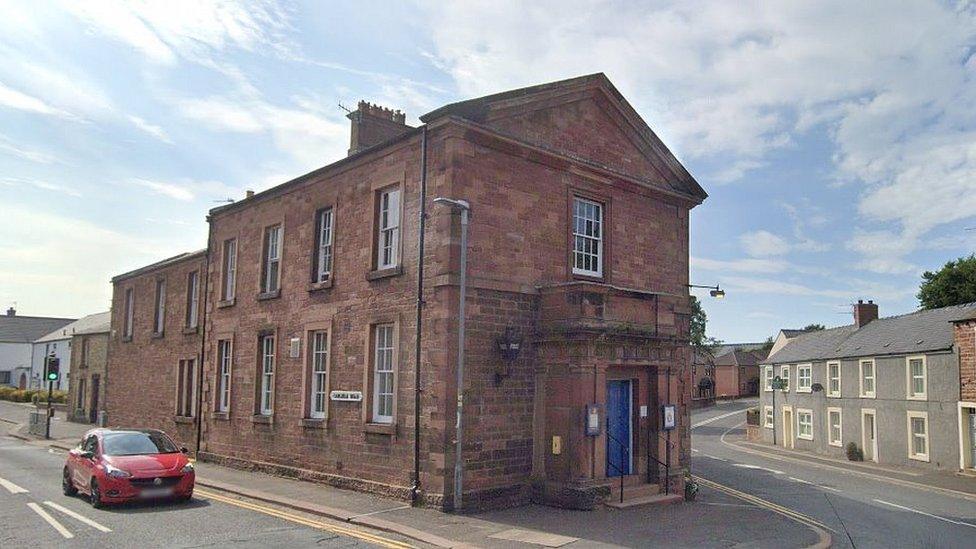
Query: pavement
{"points": [[861, 504], [721, 516]]}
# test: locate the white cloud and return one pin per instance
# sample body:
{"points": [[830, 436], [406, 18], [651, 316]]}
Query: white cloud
{"points": [[151, 129], [11, 147], [880, 291], [14, 99], [40, 184], [171, 190], [763, 244], [750, 265], [188, 190], [882, 251]]}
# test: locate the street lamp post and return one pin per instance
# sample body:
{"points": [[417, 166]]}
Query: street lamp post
{"points": [[464, 208]]}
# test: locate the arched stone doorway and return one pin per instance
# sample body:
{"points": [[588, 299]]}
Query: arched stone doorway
{"points": [[23, 382]]}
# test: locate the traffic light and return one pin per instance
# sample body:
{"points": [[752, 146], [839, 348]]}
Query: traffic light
{"points": [[53, 372]]}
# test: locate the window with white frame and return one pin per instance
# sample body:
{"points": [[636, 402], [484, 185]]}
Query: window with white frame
{"points": [[224, 358], [918, 435], [271, 279], [192, 299], [266, 401], [917, 382], [185, 388], [587, 237], [804, 378], [768, 378], [323, 248], [388, 229], [159, 315], [320, 366], [834, 430], [833, 379], [784, 373], [383, 378], [804, 424], [230, 270], [129, 302], [768, 417], [867, 378]]}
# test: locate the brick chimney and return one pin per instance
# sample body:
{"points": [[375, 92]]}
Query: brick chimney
{"points": [[865, 312], [373, 124], [11, 311]]}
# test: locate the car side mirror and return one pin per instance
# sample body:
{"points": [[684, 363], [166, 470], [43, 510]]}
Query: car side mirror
{"points": [[184, 450], [87, 455]]}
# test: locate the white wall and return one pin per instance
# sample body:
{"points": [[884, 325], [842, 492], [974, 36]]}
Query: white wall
{"points": [[61, 349], [14, 357]]}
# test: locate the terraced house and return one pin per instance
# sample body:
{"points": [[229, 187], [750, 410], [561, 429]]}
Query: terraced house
{"points": [[329, 310], [892, 386]]}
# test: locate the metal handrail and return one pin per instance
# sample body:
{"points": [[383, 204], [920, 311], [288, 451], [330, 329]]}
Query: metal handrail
{"points": [[619, 470]]}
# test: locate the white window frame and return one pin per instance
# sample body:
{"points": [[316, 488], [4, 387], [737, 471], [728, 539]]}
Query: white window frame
{"points": [[584, 240], [388, 229], [230, 269], [266, 404], [874, 378], [800, 412], [829, 391], [129, 313], [225, 362], [186, 405], [159, 309], [840, 427], [910, 393], [802, 387], [193, 299], [272, 259], [784, 374], [384, 355], [924, 416], [325, 225], [769, 417], [319, 347], [769, 373]]}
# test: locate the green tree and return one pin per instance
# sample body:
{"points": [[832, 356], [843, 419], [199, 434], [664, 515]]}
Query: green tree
{"points": [[767, 345], [814, 327], [953, 284]]}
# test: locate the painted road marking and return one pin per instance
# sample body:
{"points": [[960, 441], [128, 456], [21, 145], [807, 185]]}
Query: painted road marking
{"points": [[716, 418], [747, 466], [77, 517], [820, 528], [923, 513], [11, 487], [341, 530], [800, 480], [713, 457], [695, 450], [50, 520], [831, 488]]}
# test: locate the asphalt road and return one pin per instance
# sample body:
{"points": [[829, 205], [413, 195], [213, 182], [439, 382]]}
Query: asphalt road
{"points": [[862, 511], [30, 494]]}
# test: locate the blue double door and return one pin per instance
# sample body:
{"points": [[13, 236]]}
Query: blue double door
{"points": [[620, 427]]}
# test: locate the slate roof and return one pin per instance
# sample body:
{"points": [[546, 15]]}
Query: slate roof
{"points": [[740, 358], [26, 329], [160, 264], [918, 332], [790, 333], [730, 347], [91, 324]]}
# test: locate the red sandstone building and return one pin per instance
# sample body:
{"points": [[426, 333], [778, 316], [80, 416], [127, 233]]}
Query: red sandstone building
{"points": [[304, 355]]}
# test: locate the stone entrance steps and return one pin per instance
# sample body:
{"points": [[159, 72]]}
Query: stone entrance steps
{"points": [[638, 494]]}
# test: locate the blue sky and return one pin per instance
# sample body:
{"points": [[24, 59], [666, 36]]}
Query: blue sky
{"points": [[837, 141]]}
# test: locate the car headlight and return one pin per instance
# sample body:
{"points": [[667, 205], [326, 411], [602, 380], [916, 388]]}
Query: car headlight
{"points": [[188, 468], [115, 472]]}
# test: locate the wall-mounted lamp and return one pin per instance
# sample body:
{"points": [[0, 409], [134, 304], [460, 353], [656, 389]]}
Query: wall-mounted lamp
{"points": [[716, 291], [509, 345]]}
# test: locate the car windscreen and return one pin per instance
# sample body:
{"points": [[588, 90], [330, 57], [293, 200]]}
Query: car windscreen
{"points": [[131, 444]]}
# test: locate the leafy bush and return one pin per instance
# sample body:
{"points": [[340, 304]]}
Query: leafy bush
{"points": [[31, 395], [854, 453]]}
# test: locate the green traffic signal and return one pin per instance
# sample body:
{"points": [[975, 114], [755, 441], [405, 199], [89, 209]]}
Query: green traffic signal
{"points": [[53, 369]]}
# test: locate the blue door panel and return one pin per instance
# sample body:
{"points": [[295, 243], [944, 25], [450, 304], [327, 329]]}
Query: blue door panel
{"points": [[618, 428]]}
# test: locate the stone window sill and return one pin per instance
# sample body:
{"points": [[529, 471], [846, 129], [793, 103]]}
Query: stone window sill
{"points": [[221, 416], [319, 286], [262, 420], [158, 335], [589, 278], [226, 303], [385, 273], [264, 296], [183, 419], [380, 428], [191, 330], [126, 339], [313, 423]]}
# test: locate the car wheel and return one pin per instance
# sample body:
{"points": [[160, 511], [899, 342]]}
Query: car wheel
{"points": [[95, 498], [67, 486]]}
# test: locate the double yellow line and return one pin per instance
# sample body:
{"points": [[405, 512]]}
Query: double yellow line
{"points": [[820, 527], [336, 529]]}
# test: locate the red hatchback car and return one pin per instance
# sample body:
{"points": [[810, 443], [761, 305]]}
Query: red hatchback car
{"points": [[119, 465]]}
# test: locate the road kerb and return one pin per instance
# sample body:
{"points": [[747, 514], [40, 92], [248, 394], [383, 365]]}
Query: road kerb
{"points": [[823, 531], [334, 513]]}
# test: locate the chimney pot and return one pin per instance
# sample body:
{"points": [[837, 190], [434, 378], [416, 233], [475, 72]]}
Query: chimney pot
{"points": [[249, 193], [11, 311]]}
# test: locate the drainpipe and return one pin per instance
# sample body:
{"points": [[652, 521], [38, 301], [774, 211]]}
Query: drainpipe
{"points": [[422, 223], [202, 300]]}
